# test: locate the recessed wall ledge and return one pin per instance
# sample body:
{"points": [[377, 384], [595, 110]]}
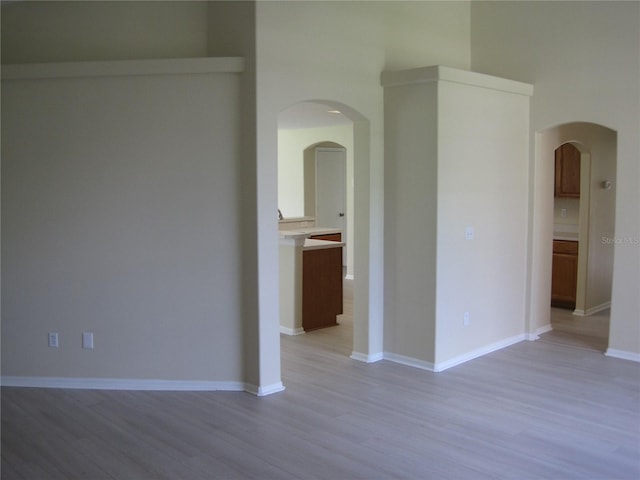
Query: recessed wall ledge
{"points": [[115, 68], [439, 73]]}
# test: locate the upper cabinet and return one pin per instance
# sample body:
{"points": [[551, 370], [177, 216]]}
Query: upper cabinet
{"points": [[567, 171]]}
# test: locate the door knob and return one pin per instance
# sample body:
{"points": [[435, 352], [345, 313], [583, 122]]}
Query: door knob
{"points": [[341, 214]]}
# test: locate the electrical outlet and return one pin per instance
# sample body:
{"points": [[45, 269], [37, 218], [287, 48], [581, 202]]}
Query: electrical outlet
{"points": [[563, 212], [466, 320], [87, 340], [53, 339]]}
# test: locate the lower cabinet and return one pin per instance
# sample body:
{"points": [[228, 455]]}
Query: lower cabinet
{"points": [[321, 287], [564, 274]]}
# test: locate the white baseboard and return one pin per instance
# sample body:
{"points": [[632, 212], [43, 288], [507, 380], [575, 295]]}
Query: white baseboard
{"points": [[441, 366], [409, 361], [539, 331], [121, 384], [612, 352], [291, 331], [138, 384], [363, 357], [590, 311], [263, 391]]}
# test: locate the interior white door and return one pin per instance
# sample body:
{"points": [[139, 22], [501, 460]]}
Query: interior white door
{"points": [[331, 190]]}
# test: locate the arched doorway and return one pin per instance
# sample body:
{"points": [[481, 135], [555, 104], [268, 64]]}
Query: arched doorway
{"points": [[314, 114], [594, 222]]}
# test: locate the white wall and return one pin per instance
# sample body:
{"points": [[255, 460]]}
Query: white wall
{"points": [[120, 217], [232, 31], [144, 239], [411, 202], [572, 211], [335, 51], [291, 145], [457, 147], [306, 51], [82, 31], [584, 59], [482, 183]]}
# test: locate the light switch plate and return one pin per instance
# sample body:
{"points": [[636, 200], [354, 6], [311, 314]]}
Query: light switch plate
{"points": [[469, 233]]}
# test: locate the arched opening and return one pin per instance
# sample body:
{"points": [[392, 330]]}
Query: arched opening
{"points": [[570, 231], [303, 128]]}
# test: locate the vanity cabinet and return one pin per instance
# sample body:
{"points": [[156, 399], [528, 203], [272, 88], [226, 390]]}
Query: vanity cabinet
{"points": [[567, 176], [564, 274]]}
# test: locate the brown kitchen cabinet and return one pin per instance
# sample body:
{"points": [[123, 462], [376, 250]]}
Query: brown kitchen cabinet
{"points": [[322, 299], [567, 175], [564, 274]]}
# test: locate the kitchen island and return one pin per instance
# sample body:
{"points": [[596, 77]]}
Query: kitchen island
{"points": [[310, 280]]}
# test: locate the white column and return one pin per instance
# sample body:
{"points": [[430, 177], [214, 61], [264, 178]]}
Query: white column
{"points": [[290, 251]]}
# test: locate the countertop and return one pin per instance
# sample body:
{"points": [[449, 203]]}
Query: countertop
{"points": [[569, 236], [318, 230], [313, 244], [297, 219], [308, 232], [565, 232]]}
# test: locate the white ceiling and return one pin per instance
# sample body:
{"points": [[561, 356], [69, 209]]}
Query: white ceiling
{"points": [[310, 115]]}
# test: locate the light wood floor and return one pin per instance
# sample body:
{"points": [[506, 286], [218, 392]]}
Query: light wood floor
{"points": [[590, 332], [535, 410]]}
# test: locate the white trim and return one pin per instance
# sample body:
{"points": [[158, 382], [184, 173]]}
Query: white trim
{"points": [[623, 354], [363, 357], [544, 329], [291, 331], [590, 311], [440, 73], [409, 361], [439, 367], [118, 68], [539, 331], [120, 384], [349, 276], [263, 391], [138, 384]]}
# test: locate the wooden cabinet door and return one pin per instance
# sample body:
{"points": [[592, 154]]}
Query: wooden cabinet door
{"points": [[321, 287], [564, 274], [567, 177]]}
